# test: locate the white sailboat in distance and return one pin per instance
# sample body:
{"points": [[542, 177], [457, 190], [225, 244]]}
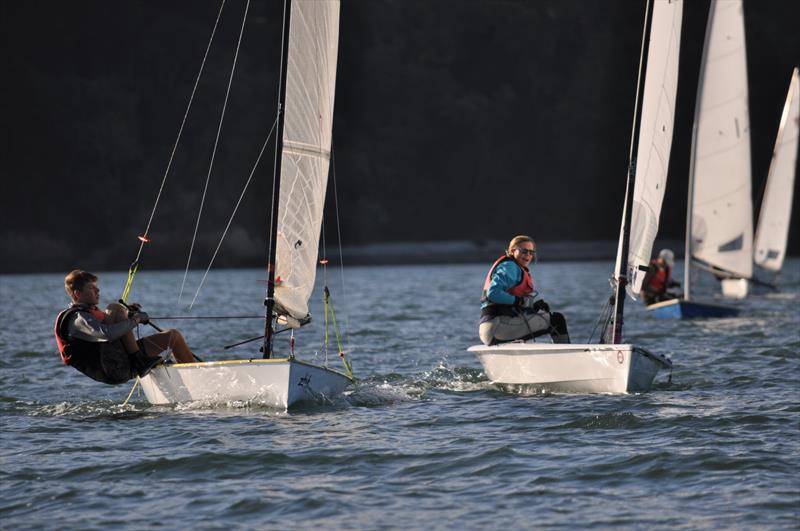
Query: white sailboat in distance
{"points": [[303, 144], [772, 231], [614, 366], [719, 207]]}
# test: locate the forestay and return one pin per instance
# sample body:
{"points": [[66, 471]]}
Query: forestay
{"points": [[722, 219], [655, 137], [776, 207], [310, 87]]}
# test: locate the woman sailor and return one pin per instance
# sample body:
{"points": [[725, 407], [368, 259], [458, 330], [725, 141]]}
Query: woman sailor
{"points": [[509, 309]]}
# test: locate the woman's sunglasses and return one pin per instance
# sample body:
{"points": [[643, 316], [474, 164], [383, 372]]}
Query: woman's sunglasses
{"points": [[527, 252]]}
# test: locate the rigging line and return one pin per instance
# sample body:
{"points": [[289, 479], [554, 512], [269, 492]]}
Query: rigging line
{"points": [[339, 238], [193, 317], [324, 260], [602, 319], [214, 151], [233, 214], [180, 130], [143, 238], [136, 383]]}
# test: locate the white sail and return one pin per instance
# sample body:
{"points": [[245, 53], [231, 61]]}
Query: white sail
{"points": [[308, 123], [776, 207], [655, 137], [722, 219]]}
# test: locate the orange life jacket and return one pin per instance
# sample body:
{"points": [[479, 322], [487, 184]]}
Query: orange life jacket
{"points": [[523, 289], [659, 279]]}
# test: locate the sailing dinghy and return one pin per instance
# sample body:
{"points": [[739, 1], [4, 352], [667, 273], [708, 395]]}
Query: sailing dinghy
{"points": [[613, 366], [303, 144], [772, 231], [719, 212]]}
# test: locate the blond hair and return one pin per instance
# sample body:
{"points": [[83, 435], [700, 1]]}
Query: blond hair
{"points": [[516, 240]]}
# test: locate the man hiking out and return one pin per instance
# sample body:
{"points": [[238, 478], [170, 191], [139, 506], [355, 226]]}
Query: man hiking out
{"points": [[100, 344]]}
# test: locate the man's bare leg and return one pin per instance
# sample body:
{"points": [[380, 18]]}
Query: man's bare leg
{"points": [[158, 343]]}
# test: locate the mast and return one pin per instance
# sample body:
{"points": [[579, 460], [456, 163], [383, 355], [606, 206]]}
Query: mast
{"points": [[269, 301], [687, 256], [622, 274]]}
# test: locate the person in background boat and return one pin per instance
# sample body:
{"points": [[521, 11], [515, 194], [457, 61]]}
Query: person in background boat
{"points": [[100, 344], [658, 279], [509, 308]]}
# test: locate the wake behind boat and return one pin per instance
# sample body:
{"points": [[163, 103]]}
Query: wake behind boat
{"points": [[611, 366]]}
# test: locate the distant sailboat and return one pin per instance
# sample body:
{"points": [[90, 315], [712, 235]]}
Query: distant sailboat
{"points": [[772, 232], [614, 367], [304, 128], [719, 221]]}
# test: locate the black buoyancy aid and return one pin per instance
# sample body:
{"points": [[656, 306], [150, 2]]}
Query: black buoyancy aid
{"points": [[522, 289], [86, 356]]}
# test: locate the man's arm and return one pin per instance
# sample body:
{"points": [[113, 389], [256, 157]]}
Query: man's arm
{"points": [[85, 326]]}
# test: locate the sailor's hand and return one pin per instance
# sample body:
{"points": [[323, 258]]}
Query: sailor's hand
{"points": [[541, 306], [141, 317], [135, 306], [525, 302]]}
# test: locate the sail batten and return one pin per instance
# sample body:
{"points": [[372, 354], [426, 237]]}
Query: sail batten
{"points": [[306, 152]]}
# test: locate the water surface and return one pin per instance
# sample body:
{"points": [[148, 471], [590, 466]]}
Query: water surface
{"points": [[423, 439]]}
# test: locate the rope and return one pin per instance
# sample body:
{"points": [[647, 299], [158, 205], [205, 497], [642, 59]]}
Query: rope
{"points": [[131, 393], [144, 237], [131, 274], [233, 214], [603, 319], [339, 236], [176, 317], [329, 308], [214, 150], [549, 330]]}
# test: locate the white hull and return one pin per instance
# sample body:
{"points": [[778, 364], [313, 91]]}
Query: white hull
{"points": [[734, 288], [272, 382], [571, 368]]}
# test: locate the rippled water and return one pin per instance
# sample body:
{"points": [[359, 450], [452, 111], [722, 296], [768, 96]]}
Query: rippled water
{"points": [[422, 440]]}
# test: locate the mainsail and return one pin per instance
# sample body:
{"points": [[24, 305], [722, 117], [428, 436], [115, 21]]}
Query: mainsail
{"points": [[655, 137], [721, 225], [776, 207], [308, 123]]}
